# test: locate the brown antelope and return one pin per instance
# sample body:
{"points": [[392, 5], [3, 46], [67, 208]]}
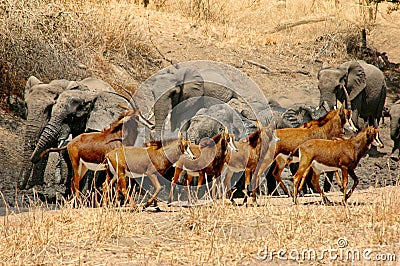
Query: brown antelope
{"points": [[136, 162], [291, 138], [209, 161], [249, 155], [87, 151], [333, 155]]}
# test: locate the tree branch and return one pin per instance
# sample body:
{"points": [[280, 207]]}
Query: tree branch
{"points": [[288, 25], [258, 64]]}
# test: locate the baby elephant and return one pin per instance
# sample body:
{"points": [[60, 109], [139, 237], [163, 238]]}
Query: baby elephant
{"points": [[395, 129]]}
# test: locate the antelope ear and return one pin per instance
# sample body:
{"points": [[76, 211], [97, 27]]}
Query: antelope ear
{"points": [[180, 136], [225, 130]]}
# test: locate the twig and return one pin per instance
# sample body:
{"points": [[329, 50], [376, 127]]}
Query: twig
{"points": [[301, 71], [258, 64], [282, 71], [298, 23], [323, 49]]}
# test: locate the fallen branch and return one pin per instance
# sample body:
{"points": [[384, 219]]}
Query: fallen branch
{"points": [[300, 71], [323, 49], [289, 25], [259, 65], [282, 71]]}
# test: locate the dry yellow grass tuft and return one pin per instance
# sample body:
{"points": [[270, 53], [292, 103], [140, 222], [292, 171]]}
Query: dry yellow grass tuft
{"points": [[218, 233], [73, 40]]}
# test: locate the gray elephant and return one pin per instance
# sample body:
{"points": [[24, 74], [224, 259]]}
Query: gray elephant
{"points": [[39, 99], [365, 86], [180, 91], [87, 105], [208, 122], [395, 128], [186, 96]]}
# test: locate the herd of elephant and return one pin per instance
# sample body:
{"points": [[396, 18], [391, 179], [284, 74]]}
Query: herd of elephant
{"points": [[195, 99]]}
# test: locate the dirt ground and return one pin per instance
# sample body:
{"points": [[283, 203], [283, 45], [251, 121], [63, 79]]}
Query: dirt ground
{"points": [[183, 41]]}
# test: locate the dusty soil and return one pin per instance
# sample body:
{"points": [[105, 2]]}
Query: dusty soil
{"points": [[184, 40]]}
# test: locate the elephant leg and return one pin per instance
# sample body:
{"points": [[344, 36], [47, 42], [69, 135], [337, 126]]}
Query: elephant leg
{"points": [[25, 173]]}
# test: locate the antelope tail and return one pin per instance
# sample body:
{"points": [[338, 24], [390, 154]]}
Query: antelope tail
{"points": [[52, 150]]}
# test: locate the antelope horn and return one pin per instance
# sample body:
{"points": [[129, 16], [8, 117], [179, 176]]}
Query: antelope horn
{"points": [[346, 94], [132, 101]]}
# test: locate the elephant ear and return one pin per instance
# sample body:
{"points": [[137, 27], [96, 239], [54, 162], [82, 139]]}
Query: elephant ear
{"points": [[192, 83], [356, 79], [77, 106], [29, 86]]}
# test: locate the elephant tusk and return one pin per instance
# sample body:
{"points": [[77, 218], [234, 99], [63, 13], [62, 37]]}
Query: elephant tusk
{"points": [[346, 94]]}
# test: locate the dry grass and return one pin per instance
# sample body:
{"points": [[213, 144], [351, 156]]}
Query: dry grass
{"points": [[211, 234], [111, 40], [254, 22], [72, 40]]}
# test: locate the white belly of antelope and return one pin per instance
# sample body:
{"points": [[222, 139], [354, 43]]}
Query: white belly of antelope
{"points": [[133, 175], [91, 166], [319, 167], [189, 172]]}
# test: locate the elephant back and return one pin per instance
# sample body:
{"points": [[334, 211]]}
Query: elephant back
{"points": [[94, 84], [105, 111], [216, 85]]}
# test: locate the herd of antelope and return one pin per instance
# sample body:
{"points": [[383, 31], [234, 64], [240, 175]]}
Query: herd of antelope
{"points": [[318, 146]]}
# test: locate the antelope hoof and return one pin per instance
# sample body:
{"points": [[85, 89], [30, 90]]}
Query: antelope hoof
{"points": [[327, 202], [346, 197], [295, 200], [148, 203], [233, 202]]}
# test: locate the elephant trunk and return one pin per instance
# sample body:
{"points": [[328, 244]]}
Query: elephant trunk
{"points": [[31, 131], [47, 138]]}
